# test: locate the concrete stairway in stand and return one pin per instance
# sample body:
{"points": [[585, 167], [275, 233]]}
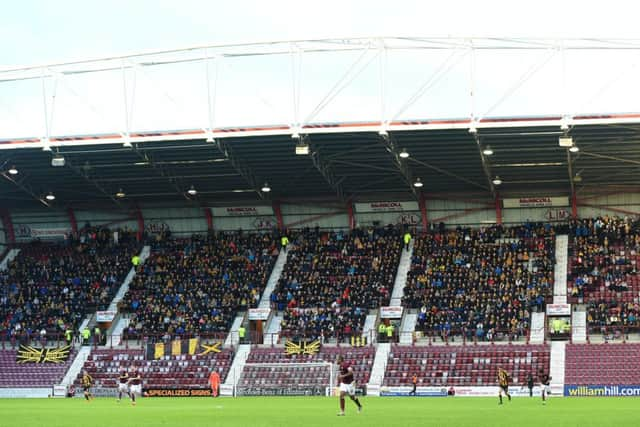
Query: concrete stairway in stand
{"points": [[579, 325], [401, 276], [229, 386], [537, 330], [560, 271], [378, 368], [557, 363], [265, 300], [11, 255], [76, 366]]}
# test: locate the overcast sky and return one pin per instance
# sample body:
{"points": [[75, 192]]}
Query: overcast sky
{"points": [[46, 31], [40, 32]]}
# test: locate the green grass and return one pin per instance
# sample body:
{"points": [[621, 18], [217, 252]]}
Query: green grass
{"points": [[311, 411]]}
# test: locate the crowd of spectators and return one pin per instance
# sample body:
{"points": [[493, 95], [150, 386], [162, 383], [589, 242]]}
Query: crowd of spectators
{"points": [[195, 286], [332, 279], [604, 271], [482, 283], [51, 286], [604, 254]]}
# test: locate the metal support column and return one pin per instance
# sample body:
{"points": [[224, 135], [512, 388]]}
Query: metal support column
{"points": [[8, 226], [498, 209], [72, 221], [278, 212], [423, 213], [209, 216], [352, 219], [140, 219]]}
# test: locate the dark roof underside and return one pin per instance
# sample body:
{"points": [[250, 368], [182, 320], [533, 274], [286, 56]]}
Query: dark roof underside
{"points": [[357, 166]]}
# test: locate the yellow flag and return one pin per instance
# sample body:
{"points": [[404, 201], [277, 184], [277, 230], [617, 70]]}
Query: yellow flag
{"points": [[193, 345], [176, 348], [158, 350]]}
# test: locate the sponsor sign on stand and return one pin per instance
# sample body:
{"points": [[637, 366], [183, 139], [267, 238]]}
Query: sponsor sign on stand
{"points": [[535, 202], [24, 232], [558, 309], [391, 312], [408, 219], [243, 211], [259, 313], [105, 316], [386, 207], [157, 227], [556, 215]]}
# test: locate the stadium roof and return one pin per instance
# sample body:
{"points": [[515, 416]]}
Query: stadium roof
{"points": [[352, 164], [353, 101]]}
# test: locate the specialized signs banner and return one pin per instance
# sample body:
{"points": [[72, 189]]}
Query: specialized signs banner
{"points": [[105, 316], [29, 354], [387, 207], [535, 202], [259, 313], [558, 309], [177, 392], [243, 211], [601, 390], [391, 312]]}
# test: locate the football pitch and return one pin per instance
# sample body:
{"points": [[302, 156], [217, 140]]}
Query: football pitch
{"points": [[318, 411]]}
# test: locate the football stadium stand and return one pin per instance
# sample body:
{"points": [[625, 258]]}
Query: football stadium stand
{"points": [[332, 279], [603, 272], [481, 283], [30, 374], [256, 377], [196, 285], [463, 365], [50, 287], [602, 364], [179, 371]]}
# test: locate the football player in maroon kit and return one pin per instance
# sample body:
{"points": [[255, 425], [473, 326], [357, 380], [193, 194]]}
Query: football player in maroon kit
{"points": [[544, 385], [347, 385], [123, 384], [136, 386]]}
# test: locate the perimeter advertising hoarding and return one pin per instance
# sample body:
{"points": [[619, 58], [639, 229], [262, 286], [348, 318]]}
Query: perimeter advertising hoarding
{"points": [[177, 392], [601, 390], [460, 391]]}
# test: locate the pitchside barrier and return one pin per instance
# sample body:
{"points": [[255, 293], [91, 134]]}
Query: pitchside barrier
{"points": [[459, 391]]}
